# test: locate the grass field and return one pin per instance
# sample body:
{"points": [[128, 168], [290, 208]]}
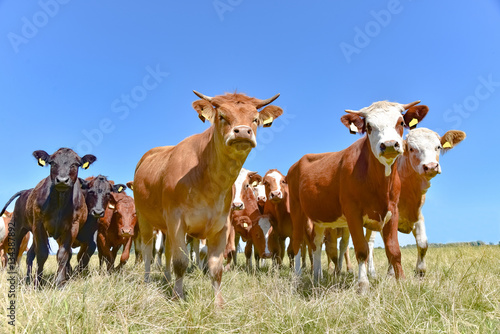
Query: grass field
{"points": [[461, 294]]}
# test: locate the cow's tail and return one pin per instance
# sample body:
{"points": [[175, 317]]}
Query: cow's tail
{"points": [[10, 201]]}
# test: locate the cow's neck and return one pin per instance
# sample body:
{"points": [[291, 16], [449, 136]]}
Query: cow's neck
{"points": [[221, 165]]}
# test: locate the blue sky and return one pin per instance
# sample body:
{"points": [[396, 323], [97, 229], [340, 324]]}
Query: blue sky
{"points": [[115, 78]]}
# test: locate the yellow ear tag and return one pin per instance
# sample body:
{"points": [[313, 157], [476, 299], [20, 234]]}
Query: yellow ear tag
{"points": [[131, 187], [4, 215], [255, 183], [353, 128], [413, 122], [85, 165], [111, 206], [120, 189], [268, 121], [41, 162], [447, 145], [245, 225]]}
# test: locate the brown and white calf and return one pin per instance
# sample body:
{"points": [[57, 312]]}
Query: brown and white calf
{"points": [[416, 168], [256, 229], [277, 207], [356, 187], [116, 229], [187, 188]]}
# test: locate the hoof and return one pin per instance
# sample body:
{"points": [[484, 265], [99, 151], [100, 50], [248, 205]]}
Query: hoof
{"points": [[363, 287]]}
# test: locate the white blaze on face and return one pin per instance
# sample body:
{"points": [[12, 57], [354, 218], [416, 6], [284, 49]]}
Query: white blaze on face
{"points": [[238, 185], [260, 191], [265, 225], [383, 123], [424, 146], [277, 177]]}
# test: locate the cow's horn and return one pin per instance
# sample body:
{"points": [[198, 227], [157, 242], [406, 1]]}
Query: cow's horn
{"points": [[356, 112], [409, 105], [204, 97], [266, 102]]}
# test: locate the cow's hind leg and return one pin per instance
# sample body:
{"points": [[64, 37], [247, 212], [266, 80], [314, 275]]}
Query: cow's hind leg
{"points": [[180, 258], [147, 244], [421, 239], [370, 238]]}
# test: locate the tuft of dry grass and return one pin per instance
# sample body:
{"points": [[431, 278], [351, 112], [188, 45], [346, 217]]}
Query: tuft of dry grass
{"points": [[460, 294]]}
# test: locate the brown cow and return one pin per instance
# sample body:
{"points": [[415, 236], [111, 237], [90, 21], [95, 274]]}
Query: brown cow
{"points": [[331, 236], [358, 186], [254, 230], [416, 168], [186, 189], [116, 229], [278, 209]]}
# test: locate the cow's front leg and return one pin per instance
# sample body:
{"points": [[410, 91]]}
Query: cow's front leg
{"points": [[215, 254], [125, 253], [421, 239], [390, 237], [64, 253]]}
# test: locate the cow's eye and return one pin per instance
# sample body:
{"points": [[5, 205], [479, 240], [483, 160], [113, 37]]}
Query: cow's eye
{"points": [[256, 120], [438, 148], [411, 149], [283, 181]]}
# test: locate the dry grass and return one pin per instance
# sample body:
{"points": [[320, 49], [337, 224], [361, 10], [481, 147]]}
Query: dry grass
{"points": [[461, 294]]}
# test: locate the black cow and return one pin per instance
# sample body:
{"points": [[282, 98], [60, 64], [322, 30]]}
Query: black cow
{"points": [[55, 207]]}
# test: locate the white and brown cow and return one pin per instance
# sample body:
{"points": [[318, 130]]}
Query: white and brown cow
{"points": [[416, 168], [356, 187], [247, 220], [187, 188]]}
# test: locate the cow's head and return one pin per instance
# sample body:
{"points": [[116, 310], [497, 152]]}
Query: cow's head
{"points": [[236, 117], [243, 189], [259, 191], [275, 185], [423, 147], [384, 123], [258, 232], [124, 213], [64, 164], [97, 192]]}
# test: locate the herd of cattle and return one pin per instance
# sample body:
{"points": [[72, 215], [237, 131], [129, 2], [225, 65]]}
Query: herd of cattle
{"points": [[197, 193]]}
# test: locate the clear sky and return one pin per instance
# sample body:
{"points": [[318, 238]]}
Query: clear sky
{"points": [[115, 78]]}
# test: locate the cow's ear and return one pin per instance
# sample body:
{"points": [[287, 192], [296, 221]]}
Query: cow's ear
{"points": [[355, 123], [118, 188], [84, 183], [88, 160], [268, 115], [42, 157], [254, 177], [414, 115], [130, 185], [205, 110], [451, 138]]}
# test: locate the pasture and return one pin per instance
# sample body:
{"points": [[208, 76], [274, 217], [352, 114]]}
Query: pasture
{"points": [[460, 294]]}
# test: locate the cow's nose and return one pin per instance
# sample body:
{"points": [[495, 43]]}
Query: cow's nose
{"points": [[261, 198], [275, 195], [237, 206], [127, 232], [97, 212], [388, 145], [62, 180], [431, 169], [243, 132]]}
